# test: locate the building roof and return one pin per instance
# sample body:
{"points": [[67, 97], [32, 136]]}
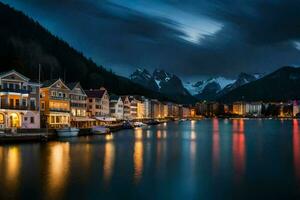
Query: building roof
{"points": [[48, 83], [14, 71], [72, 85], [124, 97], [95, 93]]}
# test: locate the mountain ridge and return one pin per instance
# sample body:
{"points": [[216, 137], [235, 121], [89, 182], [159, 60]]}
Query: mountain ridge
{"points": [[164, 82], [24, 44], [280, 85]]}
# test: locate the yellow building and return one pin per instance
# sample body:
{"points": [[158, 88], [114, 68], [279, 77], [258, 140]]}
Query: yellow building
{"points": [[55, 104], [239, 108]]}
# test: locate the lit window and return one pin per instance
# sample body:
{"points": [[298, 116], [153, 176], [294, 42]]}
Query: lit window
{"points": [[1, 119]]}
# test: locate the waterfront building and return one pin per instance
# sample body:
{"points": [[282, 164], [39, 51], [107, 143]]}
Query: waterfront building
{"points": [[126, 107], [163, 110], [78, 106], [286, 109], [186, 112], [18, 101], [239, 108], [147, 108], [201, 108], [133, 107], [98, 102], [55, 104], [155, 110], [193, 112], [243, 108], [140, 107], [173, 110], [116, 107], [296, 108], [254, 108]]}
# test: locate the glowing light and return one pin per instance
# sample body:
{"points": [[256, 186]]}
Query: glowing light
{"points": [[296, 149], [13, 166], [109, 159], [109, 137], [138, 160], [216, 146], [138, 133], [193, 135], [239, 149], [59, 161], [164, 134], [158, 135]]}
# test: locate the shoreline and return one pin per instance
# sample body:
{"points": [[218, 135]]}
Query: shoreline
{"points": [[45, 135]]}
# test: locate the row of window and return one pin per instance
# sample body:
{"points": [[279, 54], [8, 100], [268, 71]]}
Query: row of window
{"points": [[77, 97], [59, 120], [17, 86], [22, 102], [31, 119], [79, 105]]}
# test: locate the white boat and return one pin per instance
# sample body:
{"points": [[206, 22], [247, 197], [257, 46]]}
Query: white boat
{"points": [[100, 130], [138, 124], [67, 132]]}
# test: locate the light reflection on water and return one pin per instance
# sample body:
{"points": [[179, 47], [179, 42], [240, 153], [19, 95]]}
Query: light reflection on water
{"points": [[138, 155], [109, 159], [175, 160], [58, 168], [296, 149], [238, 148]]}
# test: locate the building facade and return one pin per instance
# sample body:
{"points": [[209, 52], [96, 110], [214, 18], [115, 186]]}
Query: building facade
{"points": [[296, 108], [126, 107], [98, 102], [55, 104], [244, 108], [133, 108], [18, 101], [116, 107], [78, 106]]}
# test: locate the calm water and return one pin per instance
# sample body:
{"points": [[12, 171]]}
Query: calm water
{"points": [[209, 159]]}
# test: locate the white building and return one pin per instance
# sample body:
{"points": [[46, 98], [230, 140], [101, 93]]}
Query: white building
{"points": [[116, 107], [19, 101], [243, 108]]}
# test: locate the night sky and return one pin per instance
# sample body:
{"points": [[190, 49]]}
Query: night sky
{"points": [[191, 38]]}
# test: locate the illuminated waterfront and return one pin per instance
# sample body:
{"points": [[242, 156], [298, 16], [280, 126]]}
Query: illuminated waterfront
{"points": [[192, 159]]}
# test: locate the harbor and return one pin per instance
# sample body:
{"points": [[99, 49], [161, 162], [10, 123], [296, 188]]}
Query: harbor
{"points": [[45, 135]]}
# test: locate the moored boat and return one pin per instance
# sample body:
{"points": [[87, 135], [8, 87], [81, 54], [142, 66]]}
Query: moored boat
{"points": [[153, 122], [139, 124], [127, 125], [67, 132], [100, 130]]}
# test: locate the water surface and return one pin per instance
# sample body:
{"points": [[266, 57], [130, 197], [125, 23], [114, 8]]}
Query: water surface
{"points": [[208, 159]]}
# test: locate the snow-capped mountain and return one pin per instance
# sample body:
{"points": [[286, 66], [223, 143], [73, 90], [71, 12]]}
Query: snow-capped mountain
{"points": [[161, 81], [171, 84], [242, 79], [213, 88], [144, 78], [219, 83]]}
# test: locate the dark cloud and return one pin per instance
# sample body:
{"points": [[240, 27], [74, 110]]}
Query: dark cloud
{"points": [[256, 36]]}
